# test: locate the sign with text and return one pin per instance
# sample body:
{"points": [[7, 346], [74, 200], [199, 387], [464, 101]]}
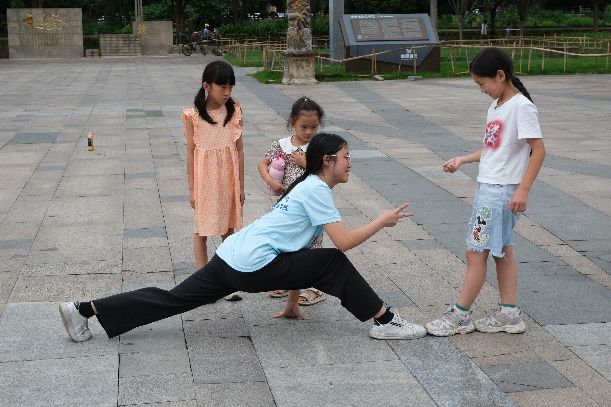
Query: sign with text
{"points": [[396, 39], [376, 27]]}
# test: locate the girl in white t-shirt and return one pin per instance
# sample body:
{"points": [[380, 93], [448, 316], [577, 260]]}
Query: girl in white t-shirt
{"points": [[305, 118], [509, 161]]}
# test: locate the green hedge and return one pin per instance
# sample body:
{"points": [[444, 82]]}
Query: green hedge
{"points": [[272, 27], [536, 17]]}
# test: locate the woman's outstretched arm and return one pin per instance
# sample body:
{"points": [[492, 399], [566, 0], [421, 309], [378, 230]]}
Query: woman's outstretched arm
{"points": [[345, 239]]}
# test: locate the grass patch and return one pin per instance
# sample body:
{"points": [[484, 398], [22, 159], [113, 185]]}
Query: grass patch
{"points": [[268, 76], [251, 58], [457, 66]]}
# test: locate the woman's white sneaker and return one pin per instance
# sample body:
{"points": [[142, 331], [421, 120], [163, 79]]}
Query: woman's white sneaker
{"points": [[397, 328], [75, 324]]}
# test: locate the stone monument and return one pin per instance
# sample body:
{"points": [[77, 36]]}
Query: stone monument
{"points": [[156, 37], [407, 40], [299, 59], [45, 32]]}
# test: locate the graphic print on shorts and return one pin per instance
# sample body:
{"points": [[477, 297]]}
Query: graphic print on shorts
{"points": [[478, 237], [494, 132]]}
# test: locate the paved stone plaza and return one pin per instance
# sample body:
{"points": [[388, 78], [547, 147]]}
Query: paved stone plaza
{"points": [[81, 225]]}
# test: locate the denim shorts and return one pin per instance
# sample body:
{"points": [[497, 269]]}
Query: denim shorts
{"points": [[491, 224]]}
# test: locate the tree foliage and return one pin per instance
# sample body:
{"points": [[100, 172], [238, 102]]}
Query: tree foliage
{"points": [[116, 15]]}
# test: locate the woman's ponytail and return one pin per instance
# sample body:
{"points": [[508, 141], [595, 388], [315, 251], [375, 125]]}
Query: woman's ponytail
{"points": [[321, 145], [520, 86], [297, 181]]}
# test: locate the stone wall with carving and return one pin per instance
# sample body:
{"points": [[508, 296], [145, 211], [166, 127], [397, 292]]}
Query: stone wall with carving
{"points": [[45, 32], [156, 37]]}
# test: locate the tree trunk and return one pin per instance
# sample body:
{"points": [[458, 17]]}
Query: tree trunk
{"points": [[595, 11], [433, 14], [461, 24], [238, 11], [314, 6], [179, 18], [493, 19], [522, 13]]}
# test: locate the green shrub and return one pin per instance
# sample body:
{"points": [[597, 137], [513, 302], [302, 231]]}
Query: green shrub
{"points": [[255, 28], [320, 25], [578, 21], [275, 27]]}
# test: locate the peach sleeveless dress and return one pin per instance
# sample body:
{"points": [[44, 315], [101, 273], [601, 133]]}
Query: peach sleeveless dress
{"points": [[216, 170]]}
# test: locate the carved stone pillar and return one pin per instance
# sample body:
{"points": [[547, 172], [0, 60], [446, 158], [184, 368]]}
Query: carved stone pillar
{"points": [[299, 60]]}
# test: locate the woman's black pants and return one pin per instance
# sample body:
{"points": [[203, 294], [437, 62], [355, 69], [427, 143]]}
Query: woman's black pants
{"points": [[328, 270]]}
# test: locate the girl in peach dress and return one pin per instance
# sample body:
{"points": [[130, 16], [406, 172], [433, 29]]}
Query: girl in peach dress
{"points": [[215, 159]]}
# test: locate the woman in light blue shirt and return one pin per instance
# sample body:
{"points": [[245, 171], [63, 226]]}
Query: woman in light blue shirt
{"points": [[273, 252]]}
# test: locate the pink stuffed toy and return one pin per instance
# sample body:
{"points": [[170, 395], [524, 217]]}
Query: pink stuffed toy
{"points": [[276, 171]]}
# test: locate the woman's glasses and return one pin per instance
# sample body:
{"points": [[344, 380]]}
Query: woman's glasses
{"points": [[347, 156]]}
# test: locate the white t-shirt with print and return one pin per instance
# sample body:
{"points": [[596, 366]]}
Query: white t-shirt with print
{"points": [[506, 151]]}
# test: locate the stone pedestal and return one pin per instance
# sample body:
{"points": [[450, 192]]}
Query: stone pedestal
{"points": [[299, 68]]}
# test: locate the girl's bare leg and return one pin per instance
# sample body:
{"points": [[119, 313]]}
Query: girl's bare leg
{"points": [[200, 249], [507, 275], [474, 277]]}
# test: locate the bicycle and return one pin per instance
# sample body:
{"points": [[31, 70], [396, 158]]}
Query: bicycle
{"points": [[189, 47]]}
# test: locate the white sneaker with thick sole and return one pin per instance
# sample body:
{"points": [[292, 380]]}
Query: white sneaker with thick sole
{"points": [[397, 328], [450, 323], [501, 322], [75, 324]]}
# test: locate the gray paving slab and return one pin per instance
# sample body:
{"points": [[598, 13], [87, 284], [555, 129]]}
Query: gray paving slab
{"points": [[443, 372], [30, 331], [155, 389], [154, 363], [597, 356], [60, 382], [159, 336], [526, 376], [582, 334], [232, 394], [33, 138], [541, 283], [221, 360], [149, 259], [364, 386], [315, 343]]}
